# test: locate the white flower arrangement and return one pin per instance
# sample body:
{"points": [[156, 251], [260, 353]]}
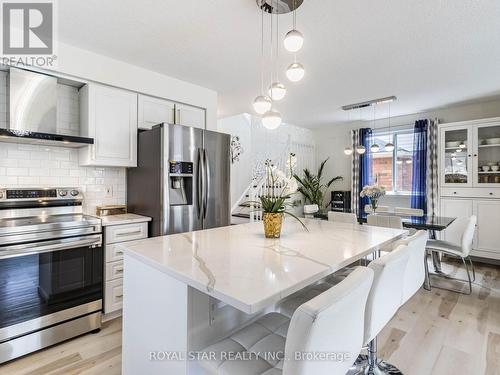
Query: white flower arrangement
{"points": [[372, 192]]}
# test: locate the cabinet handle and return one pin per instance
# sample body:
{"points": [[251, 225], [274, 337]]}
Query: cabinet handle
{"points": [[118, 252], [454, 192], [128, 233], [475, 155], [491, 193], [119, 270], [119, 297]]}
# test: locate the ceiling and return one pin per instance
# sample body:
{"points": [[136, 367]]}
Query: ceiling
{"points": [[429, 54]]}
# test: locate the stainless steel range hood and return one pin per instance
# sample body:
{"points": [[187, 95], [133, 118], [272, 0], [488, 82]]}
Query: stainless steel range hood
{"points": [[32, 111]]}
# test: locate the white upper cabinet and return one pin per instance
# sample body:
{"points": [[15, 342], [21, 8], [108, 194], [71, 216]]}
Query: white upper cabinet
{"points": [[456, 156], [470, 154], [109, 115], [487, 154], [190, 116], [152, 111]]}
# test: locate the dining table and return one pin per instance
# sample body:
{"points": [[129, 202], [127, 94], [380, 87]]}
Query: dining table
{"points": [[429, 223]]}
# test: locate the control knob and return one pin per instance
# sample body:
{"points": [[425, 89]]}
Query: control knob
{"points": [[63, 193], [74, 193]]}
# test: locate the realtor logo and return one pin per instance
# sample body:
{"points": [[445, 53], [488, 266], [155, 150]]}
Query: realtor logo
{"points": [[28, 30]]}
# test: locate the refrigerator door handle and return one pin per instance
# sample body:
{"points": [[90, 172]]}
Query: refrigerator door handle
{"points": [[206, 183], [199, 186]]}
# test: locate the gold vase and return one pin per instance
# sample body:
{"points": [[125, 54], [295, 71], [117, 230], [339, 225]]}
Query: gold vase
{"points": [[272, 224]]}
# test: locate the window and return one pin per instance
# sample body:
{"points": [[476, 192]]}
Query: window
{"points": [[394, 170]]}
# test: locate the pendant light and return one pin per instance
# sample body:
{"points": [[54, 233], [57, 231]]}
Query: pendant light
{"points": [[360, 149], [262, 103], [374, 147], [389, 147], [277, 90], [294, 40], [271, 119], [295, 72], [348, 150]]}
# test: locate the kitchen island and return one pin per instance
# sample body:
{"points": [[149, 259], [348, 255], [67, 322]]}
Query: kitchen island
{"points": [[185, 291]]}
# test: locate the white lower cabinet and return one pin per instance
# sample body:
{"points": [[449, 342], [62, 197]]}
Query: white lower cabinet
{"points": [[113, 276], [113, 296], [488, 226], [487, 239]]}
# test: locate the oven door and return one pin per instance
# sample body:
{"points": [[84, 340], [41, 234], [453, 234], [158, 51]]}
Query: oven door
{"points": [[49, 282]]}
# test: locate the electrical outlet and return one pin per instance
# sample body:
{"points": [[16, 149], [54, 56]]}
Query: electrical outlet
{"points": [[108, 191]]}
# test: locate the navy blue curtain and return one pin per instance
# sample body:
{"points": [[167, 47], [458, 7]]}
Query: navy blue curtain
{"points": [[365, 166], [418, 188]]}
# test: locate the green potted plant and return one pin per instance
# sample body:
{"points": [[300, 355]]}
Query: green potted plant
{"points": [[275, 202], [312, 186]]}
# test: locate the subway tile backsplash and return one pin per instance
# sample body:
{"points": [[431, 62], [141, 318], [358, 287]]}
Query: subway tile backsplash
{"points": [[23, 165]]}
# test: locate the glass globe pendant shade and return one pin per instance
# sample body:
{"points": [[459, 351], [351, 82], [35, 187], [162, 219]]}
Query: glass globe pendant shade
{"points": [[361, 150], [262, 104], [294, 40], [295, 72], [348, 151], [271, 120], [277, 91], [389, 147], [374, 148]]}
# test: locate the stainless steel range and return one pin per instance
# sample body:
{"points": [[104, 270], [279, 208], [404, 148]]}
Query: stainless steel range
{"points": [[51, 269]]}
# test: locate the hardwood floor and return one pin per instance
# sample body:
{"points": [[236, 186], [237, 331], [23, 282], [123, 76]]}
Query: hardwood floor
{"points": [[437, 332]]}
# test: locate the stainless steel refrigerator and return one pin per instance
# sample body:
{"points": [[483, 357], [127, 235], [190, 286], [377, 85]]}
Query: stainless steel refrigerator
{"points": [[181, 180]]}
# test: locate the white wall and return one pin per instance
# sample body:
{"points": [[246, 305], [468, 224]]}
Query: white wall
{"points": [[260, 144], [89, 66], [332, 139]]}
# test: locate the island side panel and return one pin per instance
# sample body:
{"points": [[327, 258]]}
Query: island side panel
{"points": [[155, 316]]}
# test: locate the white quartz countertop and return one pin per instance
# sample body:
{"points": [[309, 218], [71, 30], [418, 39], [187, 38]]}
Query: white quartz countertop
{"points": [[239, 266], [123, 219]]}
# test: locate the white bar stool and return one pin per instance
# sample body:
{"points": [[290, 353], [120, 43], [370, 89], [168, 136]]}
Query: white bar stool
{"points": [[383, 302], [332, 322]]}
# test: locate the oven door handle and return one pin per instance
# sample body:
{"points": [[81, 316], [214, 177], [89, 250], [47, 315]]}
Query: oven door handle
{"points": [[50, 246]]}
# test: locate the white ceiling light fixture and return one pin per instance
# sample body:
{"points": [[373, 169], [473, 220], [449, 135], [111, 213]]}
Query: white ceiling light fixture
{"points": [[360, 149], [348, 151], [389, 147], [271, 120], [374, 148], [295, 72], [277, 91], [294, 40], [262, 103]]}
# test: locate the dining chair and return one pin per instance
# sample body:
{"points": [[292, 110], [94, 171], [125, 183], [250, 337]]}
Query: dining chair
{"points": [[461, 251], [417, 270], [310, 210], [381, 209], [332, 322], [405, 211], [386, 297], [386, 221], [342, 217]]}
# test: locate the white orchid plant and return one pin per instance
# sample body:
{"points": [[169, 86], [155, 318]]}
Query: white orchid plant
{"points": [[374, 193], [279, 187]]}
